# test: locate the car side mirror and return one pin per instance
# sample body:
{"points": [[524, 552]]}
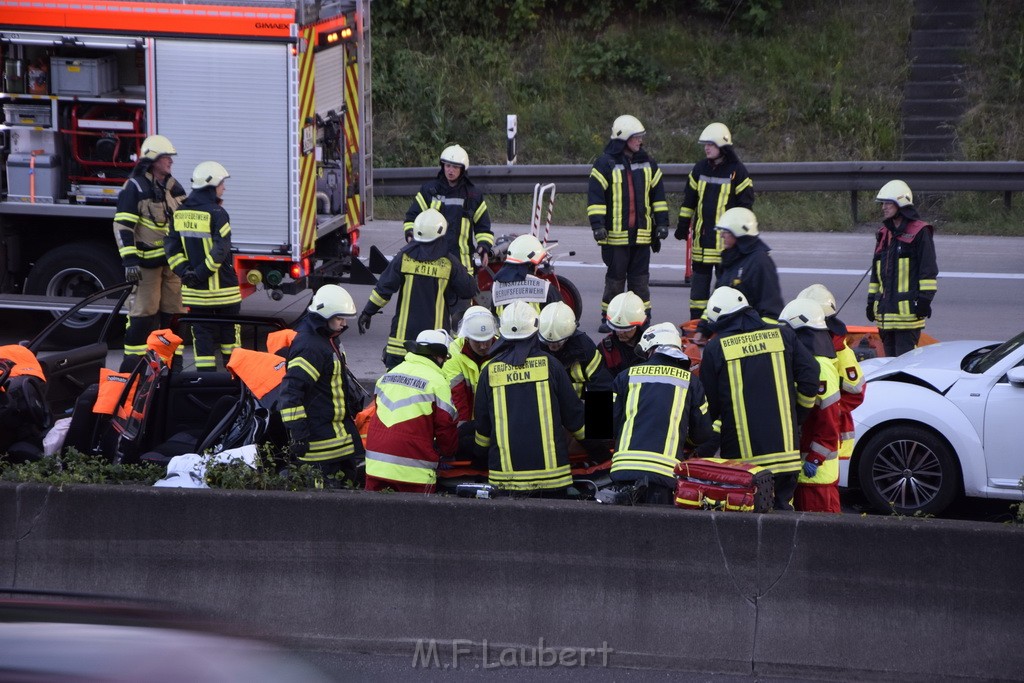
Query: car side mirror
{"points": [[1016, 376]]}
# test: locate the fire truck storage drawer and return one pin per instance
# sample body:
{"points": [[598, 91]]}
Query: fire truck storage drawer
{"points": [[48, 178], [83, 77], [27, 115]]}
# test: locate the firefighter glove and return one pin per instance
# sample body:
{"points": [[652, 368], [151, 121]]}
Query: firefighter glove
{"points": [[682, 230], [923, 308], [408, 235], [297, 448], [190, 279], [132, 273], [600, 234], [870, 312], [364, 322], [663, 232], [810, 469]]}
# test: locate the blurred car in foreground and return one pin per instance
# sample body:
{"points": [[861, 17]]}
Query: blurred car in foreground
{"points": [[938, 422]]}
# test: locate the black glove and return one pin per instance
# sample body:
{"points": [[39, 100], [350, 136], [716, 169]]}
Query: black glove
{"points": [[870, 312], [408, 235], [190, 279], [663, 232], [923, 308], [364, 322], [483, 250], [600, 234], [682, 231], [297, 448], [132, 274]]}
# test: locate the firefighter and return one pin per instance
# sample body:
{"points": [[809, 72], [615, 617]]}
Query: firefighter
{"points": [[414, 423], [903, 271], [660, 408], [817, 488], [474, 345], [747, 264], [427, 279], [717, 183], [574, 349], [760, 382], [628, 212], [144, 207], [517, 278], [851, 378], [317, 403], [463, 206], [523, 401], [627, 318], [198, 248]]}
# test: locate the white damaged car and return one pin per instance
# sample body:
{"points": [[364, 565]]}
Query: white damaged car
{"points": [[940, 421]]}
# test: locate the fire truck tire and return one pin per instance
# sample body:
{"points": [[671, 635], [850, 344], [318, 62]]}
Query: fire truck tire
{"points": [[570, 295], [76, 270]]}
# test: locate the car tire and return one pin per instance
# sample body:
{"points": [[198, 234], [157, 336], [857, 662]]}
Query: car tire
{"points": [[907, 470]]}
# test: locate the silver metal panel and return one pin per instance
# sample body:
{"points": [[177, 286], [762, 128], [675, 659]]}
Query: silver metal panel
{"points": [[329, 81], [229, 102]]}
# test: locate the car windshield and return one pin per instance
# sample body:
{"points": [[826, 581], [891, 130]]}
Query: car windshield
{"points": [[982, 363]]}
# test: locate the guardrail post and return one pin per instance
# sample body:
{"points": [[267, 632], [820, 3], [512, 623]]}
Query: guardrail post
{"points": [[511, 129], [853, 205], [1008, 200]]}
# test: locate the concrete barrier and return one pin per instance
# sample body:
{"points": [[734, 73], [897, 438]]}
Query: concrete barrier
{"points": [[770, 594]]}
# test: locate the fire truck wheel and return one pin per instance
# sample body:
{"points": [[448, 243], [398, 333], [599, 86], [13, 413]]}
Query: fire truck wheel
{"points": [[76, 270]]}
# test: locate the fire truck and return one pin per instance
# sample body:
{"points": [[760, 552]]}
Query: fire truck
{"points": [[278, 91]]}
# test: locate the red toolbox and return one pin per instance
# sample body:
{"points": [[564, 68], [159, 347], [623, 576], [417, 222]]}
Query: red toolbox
{"points": [[723, 484]]}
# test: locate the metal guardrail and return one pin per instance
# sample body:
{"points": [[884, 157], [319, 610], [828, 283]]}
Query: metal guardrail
{"points": [[827, 176]]}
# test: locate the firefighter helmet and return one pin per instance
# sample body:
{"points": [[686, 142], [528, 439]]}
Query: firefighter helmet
{"points": [[208, 174], [478, 324], [332, 300], [896, 191], [627, 126], [429, 225], [456, 156], [156, 146], [518, 320], [430, 343], [557, 322], [724, 301], [739, 221], [824, 298], [662, 334], [803, 313], [717, 134], [526, 249], [626, 310]]}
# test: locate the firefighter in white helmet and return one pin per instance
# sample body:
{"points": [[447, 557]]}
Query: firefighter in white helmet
{"points": [[469, 237], [904, 271], [627, 319], [660, 411], [628, 212], [760, 382], [716, 183], [516, 280], [524, 405], [817, 487], [320, 419], [144, 207], [474, 345], [198, 249], [574, 349], [427, 278]]}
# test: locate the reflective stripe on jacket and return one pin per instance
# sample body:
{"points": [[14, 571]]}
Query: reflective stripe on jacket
{"points": [[464, 207], [142, 219], [608, 196], [903, 271], [819, 434], [710, 191]]}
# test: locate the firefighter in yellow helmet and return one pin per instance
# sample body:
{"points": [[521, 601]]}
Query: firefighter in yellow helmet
{"points": [[717, 183], [143, 216], [628, 212], [427, 278], [523, 401], [903, 271]]}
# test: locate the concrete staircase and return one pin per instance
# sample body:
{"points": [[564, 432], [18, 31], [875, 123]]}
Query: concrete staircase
{"points": [[933, 97]]}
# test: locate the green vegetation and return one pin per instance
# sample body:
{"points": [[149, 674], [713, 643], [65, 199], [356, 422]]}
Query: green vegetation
{"points": [[72, 467]]}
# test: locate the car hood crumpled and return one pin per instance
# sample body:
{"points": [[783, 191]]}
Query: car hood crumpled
{"points": [[938, 365]]}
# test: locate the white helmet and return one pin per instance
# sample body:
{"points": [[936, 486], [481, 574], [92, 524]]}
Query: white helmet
{"points": [[723, 301], [662, 334], [896, 191], [429, 225], [526, 249], [332, 300], [518, 320], [824, 298], [717, 134], [627, 126], [739, 221], [156, 146], [456, 156], [430, 343], [478, 324], [557, 322], [626, 310], [208, 174], [803, 313]]}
